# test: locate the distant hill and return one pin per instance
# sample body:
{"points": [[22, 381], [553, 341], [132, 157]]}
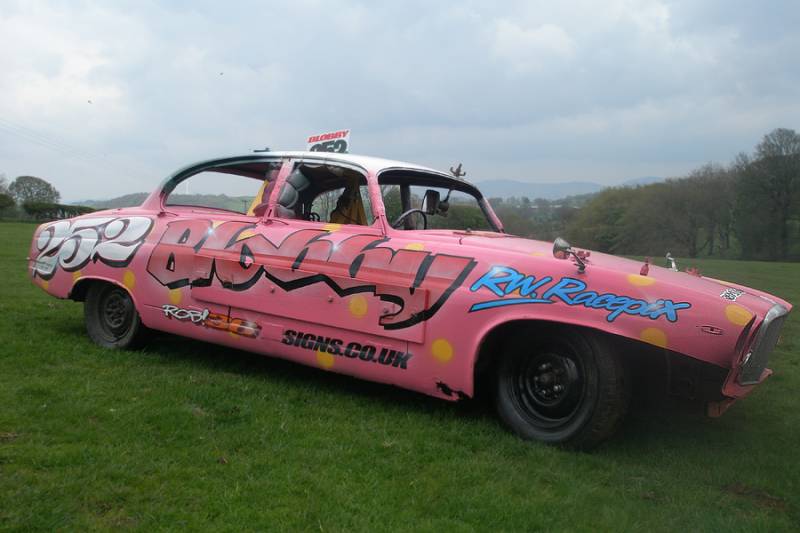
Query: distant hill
{"points": [[129, 200], [647, 180], [551, 191], [232, 203], [502, 188], [548, 191]]}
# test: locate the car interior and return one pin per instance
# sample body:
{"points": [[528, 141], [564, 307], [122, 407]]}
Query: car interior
{"points": [[324, 193]]}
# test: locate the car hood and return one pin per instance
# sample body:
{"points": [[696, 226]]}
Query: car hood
{"points": [[523, 250]]}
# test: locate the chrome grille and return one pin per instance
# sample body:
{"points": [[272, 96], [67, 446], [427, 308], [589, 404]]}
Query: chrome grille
{"points": [[767, 337]]}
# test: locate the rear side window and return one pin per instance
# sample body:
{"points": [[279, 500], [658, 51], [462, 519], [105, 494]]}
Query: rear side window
{"points": [[237, 189]]}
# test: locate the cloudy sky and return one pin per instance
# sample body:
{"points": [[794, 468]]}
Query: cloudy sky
{"points": [[104, 99]]}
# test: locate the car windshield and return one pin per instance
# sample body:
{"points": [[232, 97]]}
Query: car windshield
{"points": [[416, 200]]}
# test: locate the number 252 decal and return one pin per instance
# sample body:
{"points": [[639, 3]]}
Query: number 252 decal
{"points": [[338, 146], [71, 245]]}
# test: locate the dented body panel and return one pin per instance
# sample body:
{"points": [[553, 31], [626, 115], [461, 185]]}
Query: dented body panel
{"points": [[410, 308]]}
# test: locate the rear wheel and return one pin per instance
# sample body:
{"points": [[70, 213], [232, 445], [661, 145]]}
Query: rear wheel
{"points": [[111, 317], [562, 386]]}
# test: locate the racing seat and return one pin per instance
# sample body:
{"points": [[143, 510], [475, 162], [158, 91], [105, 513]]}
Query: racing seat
{"points": [[349, 207], [295, 184]]}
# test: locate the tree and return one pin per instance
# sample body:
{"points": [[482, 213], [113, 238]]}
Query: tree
{"points": [[47, 211], [6, 201], [599, 224], [768, 187], [711, 205], [32, 189]]}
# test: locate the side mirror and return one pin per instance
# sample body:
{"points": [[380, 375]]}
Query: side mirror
{"points": [[444, 205], [561, 248], [431, 202]]}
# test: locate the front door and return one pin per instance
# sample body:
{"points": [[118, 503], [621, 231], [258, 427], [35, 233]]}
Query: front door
{"points": [[299, 265]]}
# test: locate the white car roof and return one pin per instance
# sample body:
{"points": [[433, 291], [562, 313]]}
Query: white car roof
{"points": [[368, 162], [371, 164]]}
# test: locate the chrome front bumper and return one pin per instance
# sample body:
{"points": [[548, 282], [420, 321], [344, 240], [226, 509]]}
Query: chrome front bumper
{"points": [[755, 360]]}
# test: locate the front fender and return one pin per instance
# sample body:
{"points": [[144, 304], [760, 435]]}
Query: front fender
{"points": [[656, 311]]}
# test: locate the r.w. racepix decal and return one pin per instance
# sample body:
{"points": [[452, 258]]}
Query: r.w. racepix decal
{"points": [[507, 287]]}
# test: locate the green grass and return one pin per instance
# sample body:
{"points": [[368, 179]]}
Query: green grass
{"points": [[184, 434]]}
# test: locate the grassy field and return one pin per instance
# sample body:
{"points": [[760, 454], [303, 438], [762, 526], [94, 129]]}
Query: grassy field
{"points": [[189, 435]]}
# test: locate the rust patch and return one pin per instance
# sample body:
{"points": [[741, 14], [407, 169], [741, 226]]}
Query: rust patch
{"points": [[442, 386]]}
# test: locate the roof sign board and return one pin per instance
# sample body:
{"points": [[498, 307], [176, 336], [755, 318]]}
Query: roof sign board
{"points": [[334, 141]]}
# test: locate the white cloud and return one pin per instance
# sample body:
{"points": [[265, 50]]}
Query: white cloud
{"points": [[51, 74], [530, 48], [541, 90]]}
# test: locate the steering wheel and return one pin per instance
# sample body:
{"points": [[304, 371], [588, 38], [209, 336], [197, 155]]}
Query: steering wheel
{"points": [[405, 215]]}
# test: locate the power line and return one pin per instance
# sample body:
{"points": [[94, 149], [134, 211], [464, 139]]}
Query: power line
{"points": [[44, 139], [64, 148]]}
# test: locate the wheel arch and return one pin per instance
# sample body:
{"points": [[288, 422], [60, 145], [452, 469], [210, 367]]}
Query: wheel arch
{"points": [[655, 373], [492, 342], [81, 287]]}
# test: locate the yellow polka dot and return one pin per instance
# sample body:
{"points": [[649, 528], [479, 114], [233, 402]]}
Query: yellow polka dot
{"points": [[415, 246], [654, 336], [442, 350], [331, 227], [246, 234], [175, 296], [537, 254], [640, 281], [129, 279], [325, 359], [738, 315], [215, 223], [44, 283], [76, 276], [233, 334], [358, 306]]}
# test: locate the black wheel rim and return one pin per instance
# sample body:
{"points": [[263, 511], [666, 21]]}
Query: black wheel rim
{"points": [[549, 387], [116, 313]]}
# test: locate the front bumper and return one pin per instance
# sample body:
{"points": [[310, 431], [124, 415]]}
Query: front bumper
{"points": [[754, 362], [752, 368]]}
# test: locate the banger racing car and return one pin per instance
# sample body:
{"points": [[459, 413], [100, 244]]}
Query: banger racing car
{"points": [[400, 274]]}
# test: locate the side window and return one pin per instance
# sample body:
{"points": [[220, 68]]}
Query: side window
{"points": [[463, 213], [234, 189], [325, 193], [455, 210]]}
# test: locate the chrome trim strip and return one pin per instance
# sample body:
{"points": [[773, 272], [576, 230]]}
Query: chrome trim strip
{"points": [[755, 361]]}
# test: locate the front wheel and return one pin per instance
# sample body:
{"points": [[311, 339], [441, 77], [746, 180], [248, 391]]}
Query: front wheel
{"points": [[111, 317], [561, 386]]}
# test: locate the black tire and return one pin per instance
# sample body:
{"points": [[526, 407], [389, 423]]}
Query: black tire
{"points": [[563, 386], [111, 317]]}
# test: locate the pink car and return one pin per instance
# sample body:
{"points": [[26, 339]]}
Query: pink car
{"points": [[400, 274]]}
